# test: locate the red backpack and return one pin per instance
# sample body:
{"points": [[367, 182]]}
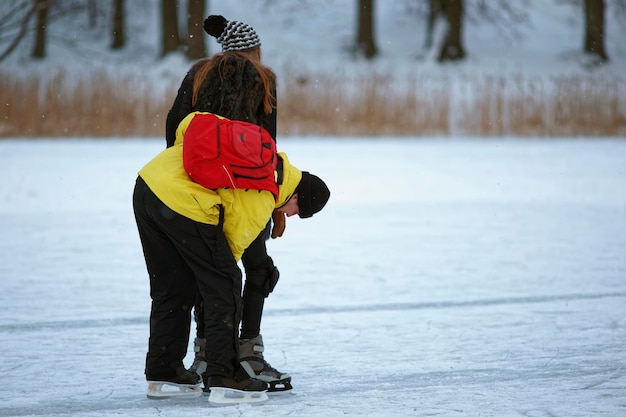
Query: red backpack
{"points": [[223, 153]]}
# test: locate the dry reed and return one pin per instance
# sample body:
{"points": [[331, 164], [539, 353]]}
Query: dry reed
{"points": [[331, 104]]}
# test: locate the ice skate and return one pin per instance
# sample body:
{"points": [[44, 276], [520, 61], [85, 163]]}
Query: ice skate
{"points": [[199, 361], [252, 361], [184, 384], [237, 390], [158, 390]]}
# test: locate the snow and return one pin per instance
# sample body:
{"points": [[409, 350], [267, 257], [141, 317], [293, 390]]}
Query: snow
{"points": [[315, 37], [445, 277]]}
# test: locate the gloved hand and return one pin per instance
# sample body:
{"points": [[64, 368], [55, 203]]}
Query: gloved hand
{"points": [[280, 222]]}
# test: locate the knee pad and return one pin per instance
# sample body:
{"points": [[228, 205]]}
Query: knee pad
{"points": [[271, 280], [262, 281]]}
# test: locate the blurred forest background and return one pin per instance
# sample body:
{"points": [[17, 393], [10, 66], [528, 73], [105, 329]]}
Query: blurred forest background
{"points": [[78, 68]]}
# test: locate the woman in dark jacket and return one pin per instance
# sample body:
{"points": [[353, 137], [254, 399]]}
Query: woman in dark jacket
{"points": [[239, 90]]}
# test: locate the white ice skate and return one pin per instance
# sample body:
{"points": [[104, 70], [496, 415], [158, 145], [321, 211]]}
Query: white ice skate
{"points": [[158, 390], [221, 396]]}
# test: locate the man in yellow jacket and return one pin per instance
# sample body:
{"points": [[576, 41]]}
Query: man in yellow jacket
{"points": [[192, 239]]}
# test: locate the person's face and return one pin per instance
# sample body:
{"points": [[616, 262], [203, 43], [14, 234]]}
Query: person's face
{"points": [[291, 208]]}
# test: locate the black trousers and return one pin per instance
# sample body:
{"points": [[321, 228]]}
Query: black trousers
{"points": [[257, 265], [184, 256], [259, 268]]}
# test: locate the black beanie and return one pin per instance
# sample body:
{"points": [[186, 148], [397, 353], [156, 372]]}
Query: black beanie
{"points": [[312, 195]]}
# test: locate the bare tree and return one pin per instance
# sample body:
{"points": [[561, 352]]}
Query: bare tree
{"points": [[434, 9], [594, 29], [92, 12], [195, 31], [170, 40], [119, 38], [21, 23], [507, 16], [365, 43], [452, 48], [39, 49]]}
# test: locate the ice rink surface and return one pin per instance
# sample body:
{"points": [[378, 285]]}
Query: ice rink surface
{"points": [[467, 277]]}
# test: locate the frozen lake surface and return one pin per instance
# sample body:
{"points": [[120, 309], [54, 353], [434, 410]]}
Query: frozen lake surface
{"points": [[444, 278]]}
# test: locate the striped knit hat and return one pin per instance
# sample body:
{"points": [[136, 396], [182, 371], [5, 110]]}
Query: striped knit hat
{"points": [[232, 35]]}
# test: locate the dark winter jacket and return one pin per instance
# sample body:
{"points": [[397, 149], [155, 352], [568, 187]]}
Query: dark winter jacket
{"points": [[232, 96]]}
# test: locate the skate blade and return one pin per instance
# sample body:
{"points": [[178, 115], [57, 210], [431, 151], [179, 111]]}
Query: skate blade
{"points": [[221, 396], [276, 386], [160, 390], [279, 388]]}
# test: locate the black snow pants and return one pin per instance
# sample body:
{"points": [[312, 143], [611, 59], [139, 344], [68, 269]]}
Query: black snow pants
{"points": [[184, 256], [261, 278]]}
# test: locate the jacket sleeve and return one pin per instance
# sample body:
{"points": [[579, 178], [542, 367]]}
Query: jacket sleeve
{"points": [[180, 109], [268, 121]]}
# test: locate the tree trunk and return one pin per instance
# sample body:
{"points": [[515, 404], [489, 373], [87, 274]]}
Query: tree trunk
{"points": [[195, 30], [21, 33], [452, 48], [119, 38], [594, 28], [92, 13], [39, 50], [169, 20], [365, 43], [434, 8]]}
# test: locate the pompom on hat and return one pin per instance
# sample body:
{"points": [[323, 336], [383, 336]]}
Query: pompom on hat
{"points": [[313, 194], [232, 35]]}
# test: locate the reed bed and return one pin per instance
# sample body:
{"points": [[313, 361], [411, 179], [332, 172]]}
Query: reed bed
{"points": [[101, 105]]}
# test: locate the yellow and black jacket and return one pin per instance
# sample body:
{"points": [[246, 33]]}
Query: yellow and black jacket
{"points": [[246, 212]]}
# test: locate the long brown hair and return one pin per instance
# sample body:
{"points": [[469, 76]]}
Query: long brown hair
{"points": [[254, 57]]}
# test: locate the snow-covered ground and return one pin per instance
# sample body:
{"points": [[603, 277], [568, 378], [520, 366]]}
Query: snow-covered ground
{"points": [[444, 278]]}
